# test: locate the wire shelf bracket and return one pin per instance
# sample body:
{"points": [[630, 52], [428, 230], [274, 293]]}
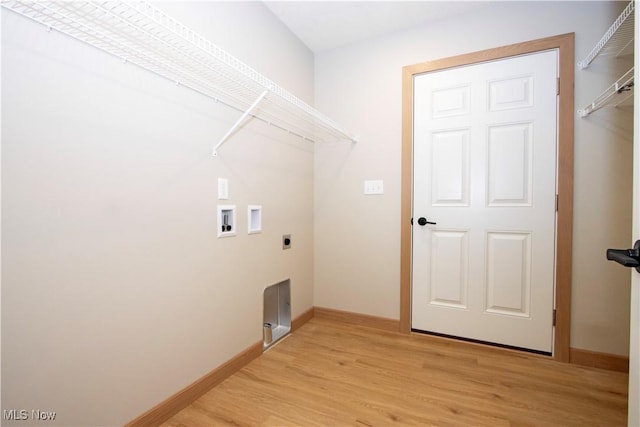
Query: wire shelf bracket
{"points": [[138, 33], [239, 122], [611, 95]]}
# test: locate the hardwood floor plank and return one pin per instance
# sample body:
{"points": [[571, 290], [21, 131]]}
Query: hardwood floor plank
{"points": [[331, 373]]}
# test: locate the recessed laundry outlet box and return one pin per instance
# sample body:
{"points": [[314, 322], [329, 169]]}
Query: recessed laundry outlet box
{"points": [[277, 312], [226, 220]]}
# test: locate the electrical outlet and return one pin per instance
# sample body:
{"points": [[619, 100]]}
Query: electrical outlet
{"points": [[286, 241]]}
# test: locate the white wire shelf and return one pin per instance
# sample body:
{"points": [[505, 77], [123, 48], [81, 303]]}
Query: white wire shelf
{"points": [[141, 34], [617, 41], [616, 94]]}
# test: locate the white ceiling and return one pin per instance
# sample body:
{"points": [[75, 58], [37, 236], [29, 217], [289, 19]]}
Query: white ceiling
{"points": [[324, 25]]}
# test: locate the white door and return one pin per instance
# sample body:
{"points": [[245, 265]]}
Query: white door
{"points": [[634, 348], [485, 173]]}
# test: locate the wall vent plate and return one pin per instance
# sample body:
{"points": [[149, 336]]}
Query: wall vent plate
{"points": [[286, 241]]}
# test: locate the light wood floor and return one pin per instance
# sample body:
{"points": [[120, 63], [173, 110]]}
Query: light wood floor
{"points": [[328, 373]]}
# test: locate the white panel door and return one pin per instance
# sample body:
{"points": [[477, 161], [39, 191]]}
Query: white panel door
{"points": [[634, 347], [485, 174]]}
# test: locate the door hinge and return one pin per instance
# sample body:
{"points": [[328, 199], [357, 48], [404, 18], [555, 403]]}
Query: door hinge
{"points": [[558, 86], [557, 202], [554, 317]]}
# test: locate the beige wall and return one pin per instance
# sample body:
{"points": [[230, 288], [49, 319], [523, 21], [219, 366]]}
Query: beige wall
{"points": [[116, 292], [357, 240]]}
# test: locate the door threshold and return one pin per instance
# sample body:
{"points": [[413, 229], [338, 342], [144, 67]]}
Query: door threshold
{"points": [[483, 343]]}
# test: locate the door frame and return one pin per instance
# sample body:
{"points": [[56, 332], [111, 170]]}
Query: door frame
{"points": [[564, 222]]}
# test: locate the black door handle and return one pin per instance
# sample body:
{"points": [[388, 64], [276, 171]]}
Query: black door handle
{"points": [[626, 257], [423, 221]]}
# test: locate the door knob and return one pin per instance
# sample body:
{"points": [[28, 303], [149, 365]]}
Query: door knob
{"points": [[423, 221], [626, 257]]}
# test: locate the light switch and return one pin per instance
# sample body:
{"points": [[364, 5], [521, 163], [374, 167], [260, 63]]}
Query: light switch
{"points": [[374, 187], [223, 189]]}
